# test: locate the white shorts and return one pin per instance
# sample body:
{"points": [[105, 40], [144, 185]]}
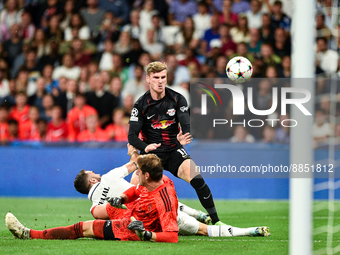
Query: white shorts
{"points": [[187, 225]]}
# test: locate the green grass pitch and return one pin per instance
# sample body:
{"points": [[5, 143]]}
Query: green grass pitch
{"points": [[41, 213]]}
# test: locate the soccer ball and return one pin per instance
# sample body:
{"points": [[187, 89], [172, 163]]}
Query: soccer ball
{"points": [[239, 69]]}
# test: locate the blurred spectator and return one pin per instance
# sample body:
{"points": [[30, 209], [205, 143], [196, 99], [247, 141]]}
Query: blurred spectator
{"points": [[3, 124], [212, 33], [107, 30], [119, 8], [123, 44], [20, 59], [145, 15], [240, 33], [134, 54], [242, 50], [40, 43], [80, 56], [181, 72], [13, 130], [181, 9], [20, 110], [92, 15], [13, 46], [83, 84], [221, 64], [240, 6], [31, 65], [134, 29], [202, 19], [88, 47], [183, 89], [118, 131], [28, 129], [189, 57], [241, 135], [27, 28], [214, 53], [266, 29], [57, 129], [93, 132], [93, 68], [77, 115], [127, 105], [321, 29], [279, 19], [105, 58], [327, 59], [4, 84], [8, 17], [327, 10], [53, 29], [136, 85], [263, 98], [285, 71], [254, 45], [268, 134], [36, 98], [254, 15], [321, 128], [227, 16], [65, 99], [187, 36], [155, 49], [52, 57], [42, 129], [67, 70], [115, 89], [47, 104], [325, 104], [271, 72], [52, 86], [67, 15], [268, 55], [282, 132], [101, 100], [282, 44], [9, 100], [78, 23], [228, 45], [119, 69]]}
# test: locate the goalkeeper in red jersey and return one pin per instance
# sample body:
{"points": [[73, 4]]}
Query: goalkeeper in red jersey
{"points": [[155, 211]]}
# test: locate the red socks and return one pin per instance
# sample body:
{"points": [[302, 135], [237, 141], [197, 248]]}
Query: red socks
{"points": [[70, 232]]}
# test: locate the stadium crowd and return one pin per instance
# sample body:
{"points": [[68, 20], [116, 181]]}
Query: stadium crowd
{"points": [[72, 70]]}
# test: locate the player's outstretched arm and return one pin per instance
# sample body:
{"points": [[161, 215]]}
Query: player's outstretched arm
{"points": [[184, 139]]}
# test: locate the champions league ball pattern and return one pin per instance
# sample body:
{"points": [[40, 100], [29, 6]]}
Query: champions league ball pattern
{"points": [[239, 69]]}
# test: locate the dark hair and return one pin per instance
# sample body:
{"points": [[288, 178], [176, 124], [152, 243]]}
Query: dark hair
{"points": [[12, 122], [81, 183], [151, 164]]}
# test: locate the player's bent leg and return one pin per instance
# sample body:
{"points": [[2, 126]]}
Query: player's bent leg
{"points": [[187, 172], [198, 215], [187, 225]]}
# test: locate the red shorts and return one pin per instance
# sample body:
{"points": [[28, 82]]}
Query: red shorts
{"points": [[120, 230]]}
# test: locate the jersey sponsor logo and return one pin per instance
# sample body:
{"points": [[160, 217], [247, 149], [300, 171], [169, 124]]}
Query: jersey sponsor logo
{"points": [[184, 108], [171, 112], [132, 118], [163, 124]]}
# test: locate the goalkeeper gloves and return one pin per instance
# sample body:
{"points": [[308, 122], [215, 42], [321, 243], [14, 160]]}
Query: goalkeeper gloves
{"points": [[138, 227], [117, 202]]}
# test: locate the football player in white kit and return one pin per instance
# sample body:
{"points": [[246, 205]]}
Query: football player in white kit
{"points": [[112, 184]]}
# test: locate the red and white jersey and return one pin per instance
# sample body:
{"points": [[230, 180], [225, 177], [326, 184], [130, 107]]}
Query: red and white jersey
{"points": [[112, 184]]}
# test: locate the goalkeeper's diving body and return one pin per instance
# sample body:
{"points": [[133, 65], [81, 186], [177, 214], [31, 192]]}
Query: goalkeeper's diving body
{"points": [[153, 214]]}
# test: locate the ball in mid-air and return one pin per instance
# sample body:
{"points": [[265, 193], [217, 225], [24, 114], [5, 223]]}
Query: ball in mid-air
{"points": [[239, 69]]}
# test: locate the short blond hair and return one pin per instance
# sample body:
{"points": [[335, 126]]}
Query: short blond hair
{"points": [[155, 67]]}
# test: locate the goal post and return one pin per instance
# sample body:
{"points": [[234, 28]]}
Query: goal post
{"points": [[301, 146]]}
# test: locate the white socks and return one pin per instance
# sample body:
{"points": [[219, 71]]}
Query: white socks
{"points": [[215, 231]]}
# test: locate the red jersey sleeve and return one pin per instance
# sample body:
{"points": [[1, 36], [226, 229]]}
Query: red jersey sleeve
{"points": [[132, 194]]}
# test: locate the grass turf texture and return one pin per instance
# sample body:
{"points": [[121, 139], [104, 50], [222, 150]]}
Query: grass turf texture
{"points": [[44, 213]]}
